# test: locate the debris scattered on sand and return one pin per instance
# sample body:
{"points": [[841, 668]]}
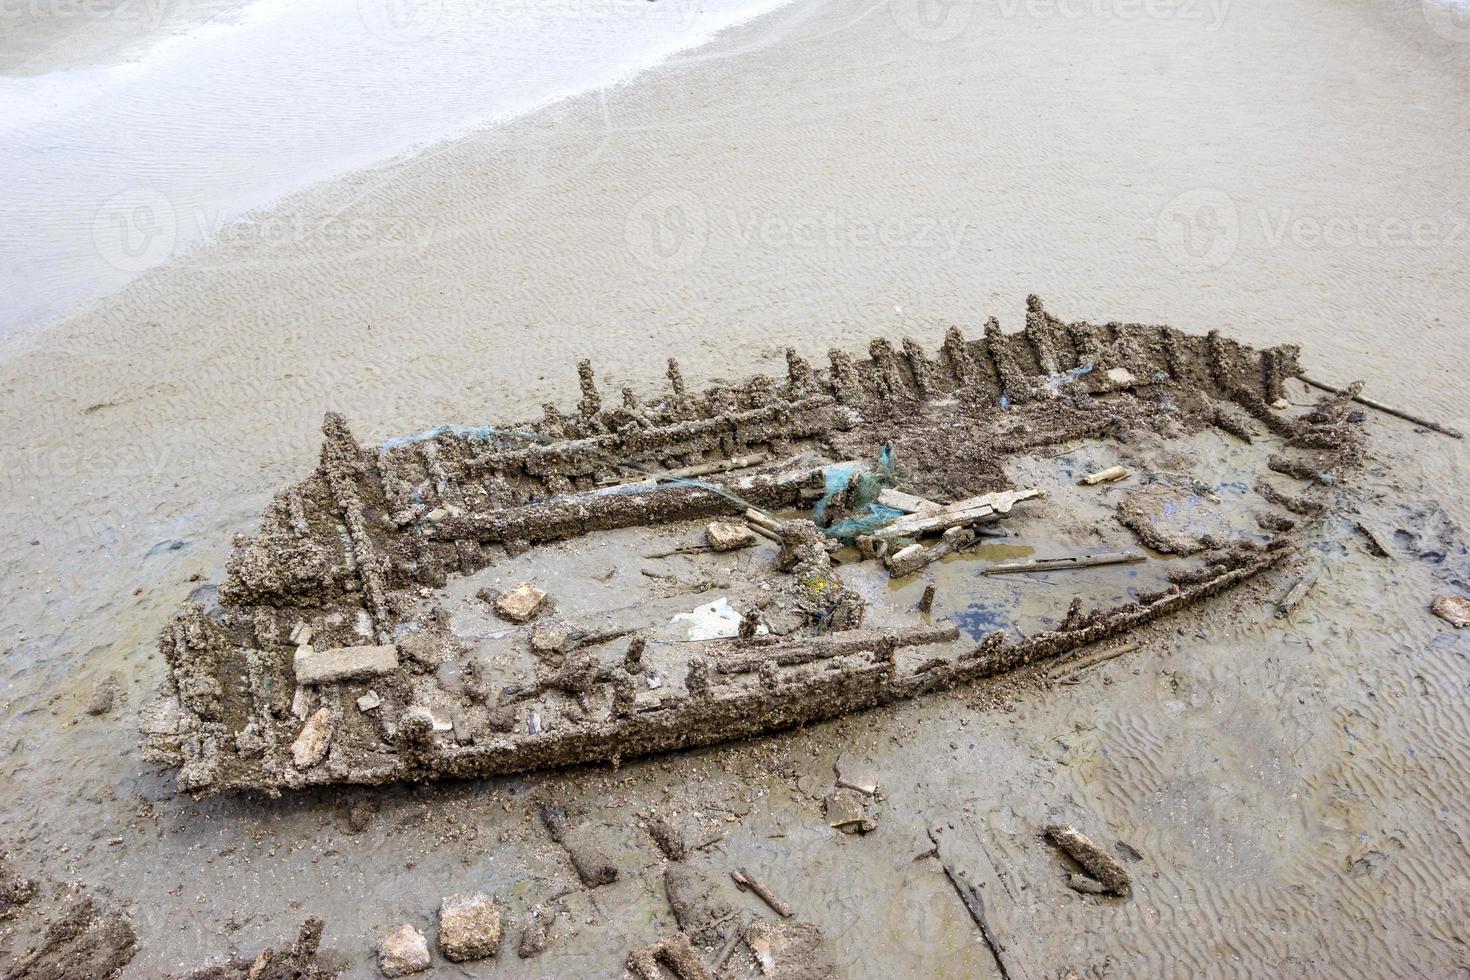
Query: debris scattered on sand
{"points": [[695, 898], [298, 960], [1098, 863], [104, 695], [790, 950], [1453, 609], [669, 838], [1386, 409], [83, 941], [1108, 475], [588, 858], [469, 927], [744, 879], [536, 931], [676, 953], [403, 950], [520, 604], [1372, 542]]}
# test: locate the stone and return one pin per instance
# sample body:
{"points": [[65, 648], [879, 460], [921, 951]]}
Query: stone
{"points": [[908, 560], [469, 927], [728, 536], [1453, 609], [344, 663], [403, 950], [520, 604], [847, 810], [1121, 376], [535, 932], [311, 746], [369, 701], [549, 637], [104, 695], [300, 634], [854, 775]]}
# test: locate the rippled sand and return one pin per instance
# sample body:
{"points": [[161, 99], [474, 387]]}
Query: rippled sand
{"points": [[1292, 171]]}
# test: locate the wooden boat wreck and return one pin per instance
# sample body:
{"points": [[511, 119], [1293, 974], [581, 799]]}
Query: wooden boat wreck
{"points": [[376, 629]]}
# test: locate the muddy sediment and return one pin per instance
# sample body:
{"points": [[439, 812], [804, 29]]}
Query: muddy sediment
{"points": [[353, 557]]}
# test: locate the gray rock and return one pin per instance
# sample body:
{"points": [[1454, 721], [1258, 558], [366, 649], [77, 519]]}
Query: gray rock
{"points": [[344, 663], [403, 950], [469, 927]]}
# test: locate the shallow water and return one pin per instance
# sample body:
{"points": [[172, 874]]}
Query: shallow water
{"points": [[114, 168]]}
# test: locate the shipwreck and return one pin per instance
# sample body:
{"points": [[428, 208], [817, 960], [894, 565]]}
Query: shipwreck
{"points": [[634, 576]]}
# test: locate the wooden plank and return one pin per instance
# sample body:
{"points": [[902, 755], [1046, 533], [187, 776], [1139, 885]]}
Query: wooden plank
{"points": [[1057, 564]]}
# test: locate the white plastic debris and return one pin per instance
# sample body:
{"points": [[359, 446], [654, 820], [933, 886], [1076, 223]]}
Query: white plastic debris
{"points": [[716, 620]]}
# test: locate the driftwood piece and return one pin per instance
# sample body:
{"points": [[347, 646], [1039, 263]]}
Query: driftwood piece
{"points": [[1296, 594], [1076, 561], [744, 879], [1082, 663], [1387, 409], [989, 919], [1097, 862], [907, 502], [1105, 476], [1374, 543], [973, 510], [838, 645]]}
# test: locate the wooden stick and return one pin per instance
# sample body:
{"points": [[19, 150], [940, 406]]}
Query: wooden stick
{"points": [[1079, 561], [744, 879], [1105, 476], [764, 531], [764, 520], [1387, 409], [1097, 658], [1297, 593]]}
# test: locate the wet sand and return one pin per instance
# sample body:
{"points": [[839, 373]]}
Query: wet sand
{"points": [[816, 177]]}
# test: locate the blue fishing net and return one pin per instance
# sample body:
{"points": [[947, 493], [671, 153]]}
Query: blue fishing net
{"points": [[863, 485]]}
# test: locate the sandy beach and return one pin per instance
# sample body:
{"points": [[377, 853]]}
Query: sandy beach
{"points": [[1290, 171]]}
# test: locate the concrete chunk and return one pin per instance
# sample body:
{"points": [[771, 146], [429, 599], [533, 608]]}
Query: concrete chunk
{"points": [[520, 604], [727, 536], [344, 663], [469, 927], [315, 739], [403, 951]]}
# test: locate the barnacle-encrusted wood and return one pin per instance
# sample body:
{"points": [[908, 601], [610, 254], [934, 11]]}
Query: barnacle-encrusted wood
{"points": [[350, 553]]}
